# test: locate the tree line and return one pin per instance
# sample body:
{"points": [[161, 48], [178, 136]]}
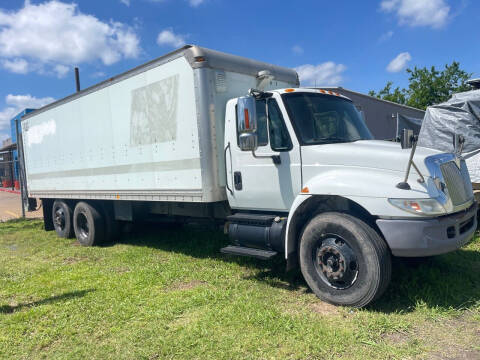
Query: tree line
{"points": [[427, 86]]}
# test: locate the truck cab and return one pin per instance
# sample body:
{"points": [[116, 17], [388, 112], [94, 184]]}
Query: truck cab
{"points": [[304, 177]]}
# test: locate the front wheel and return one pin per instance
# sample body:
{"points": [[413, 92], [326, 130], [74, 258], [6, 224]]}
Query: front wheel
{"points": [[343, 260]]}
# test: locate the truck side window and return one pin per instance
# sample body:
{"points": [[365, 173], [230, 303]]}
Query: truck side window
{"points": [[279, 137], [262, 132]]}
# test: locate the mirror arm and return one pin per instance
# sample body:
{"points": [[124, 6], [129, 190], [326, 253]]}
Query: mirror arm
{"points": [[275, 158], [422, 178], [404, 184]]}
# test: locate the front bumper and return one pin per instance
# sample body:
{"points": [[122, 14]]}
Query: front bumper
{"points": [[427, 237]]}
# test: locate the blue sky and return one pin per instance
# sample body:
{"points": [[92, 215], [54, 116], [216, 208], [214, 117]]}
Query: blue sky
{"points": [[359, 45]]}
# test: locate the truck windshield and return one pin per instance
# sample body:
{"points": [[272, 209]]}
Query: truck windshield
{"points": [[324, 119]]}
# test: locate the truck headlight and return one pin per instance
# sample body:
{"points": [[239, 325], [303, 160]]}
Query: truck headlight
{"points": [[419, 206]]}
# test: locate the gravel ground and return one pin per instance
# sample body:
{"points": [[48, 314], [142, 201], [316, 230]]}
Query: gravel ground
{"points": [[11, 208]]}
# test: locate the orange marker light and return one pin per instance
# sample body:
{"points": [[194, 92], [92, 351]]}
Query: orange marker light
{"points": [[247, 119], [305, 190], [289, 90]]}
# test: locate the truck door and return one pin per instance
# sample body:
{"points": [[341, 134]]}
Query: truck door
{"points": [[269, 178]]}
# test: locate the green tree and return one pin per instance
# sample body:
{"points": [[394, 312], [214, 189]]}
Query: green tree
{"points": [[397, 95], [427, 86]]}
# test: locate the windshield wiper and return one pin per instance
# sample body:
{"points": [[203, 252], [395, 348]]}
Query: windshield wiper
{"points": [[333, 140]]}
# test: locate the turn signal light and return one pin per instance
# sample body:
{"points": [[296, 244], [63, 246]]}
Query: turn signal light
{"points": [[247, 119], [305, 190]]}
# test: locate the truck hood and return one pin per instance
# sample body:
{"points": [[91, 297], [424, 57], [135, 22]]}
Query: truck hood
{"points": [[374, 154]]}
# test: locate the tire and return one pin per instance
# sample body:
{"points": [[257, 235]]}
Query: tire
{"points": [[88, 224], [62, 217], [343, 260]]}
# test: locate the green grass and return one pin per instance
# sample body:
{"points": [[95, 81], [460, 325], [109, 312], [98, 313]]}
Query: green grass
{"points": [[166, 294]]}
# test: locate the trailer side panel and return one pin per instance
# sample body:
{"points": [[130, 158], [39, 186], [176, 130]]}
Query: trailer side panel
{"points": [[134, 140]]}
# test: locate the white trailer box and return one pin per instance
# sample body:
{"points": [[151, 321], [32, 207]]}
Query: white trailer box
{"points": [[153, 133]]}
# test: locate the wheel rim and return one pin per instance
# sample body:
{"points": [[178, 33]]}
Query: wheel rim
{"points": [[59, 218], [335, 262], [82, 226]]}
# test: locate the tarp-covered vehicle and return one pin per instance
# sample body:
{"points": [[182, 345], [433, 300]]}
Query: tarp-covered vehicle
{"points": [[460, 115]]}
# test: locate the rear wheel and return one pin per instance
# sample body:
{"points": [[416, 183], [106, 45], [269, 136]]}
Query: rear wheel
{"points": [[88, 224], [62, 219], [343, 260]]}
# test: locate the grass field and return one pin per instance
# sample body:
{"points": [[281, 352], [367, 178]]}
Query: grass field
{"points": [[163, 294]]}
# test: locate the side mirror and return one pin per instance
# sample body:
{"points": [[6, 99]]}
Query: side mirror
{"points": [[248, 141], [247, 123], [407, 138]]}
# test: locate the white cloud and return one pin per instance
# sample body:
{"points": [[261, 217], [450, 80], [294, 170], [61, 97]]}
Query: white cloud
{"points": [[325, 74], [386, 36], [168, 37], [5, 116], [3, 136], [195, 3], [399, 62], [192, 3], [61, 70], [432, 13], [98, 74], [18, 66], [297, 50], [125, 2], [22, 102], [16, 104], [55, 33]]}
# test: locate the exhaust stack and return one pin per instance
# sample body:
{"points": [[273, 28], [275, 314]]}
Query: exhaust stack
{"points": [[77, 79]]}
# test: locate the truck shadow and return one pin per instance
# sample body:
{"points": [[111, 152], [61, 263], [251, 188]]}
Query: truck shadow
{"points": [[9, 309], [447, 282]]}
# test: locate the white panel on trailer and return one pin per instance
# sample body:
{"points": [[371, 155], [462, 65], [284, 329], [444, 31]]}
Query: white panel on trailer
{"points": [[137, 134]]}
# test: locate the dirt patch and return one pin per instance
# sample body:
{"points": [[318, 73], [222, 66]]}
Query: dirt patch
{"points": [[11, 207], [324, 308], [397, 338], [444, 341], [441, 339], [73, 260], [186, 285]]}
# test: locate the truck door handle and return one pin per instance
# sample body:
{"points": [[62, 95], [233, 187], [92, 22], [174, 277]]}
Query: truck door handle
{"points": [[237, 180], [226, 171]]}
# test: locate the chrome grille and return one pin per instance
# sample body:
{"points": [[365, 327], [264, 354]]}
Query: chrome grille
{"points": [[457, 182]]}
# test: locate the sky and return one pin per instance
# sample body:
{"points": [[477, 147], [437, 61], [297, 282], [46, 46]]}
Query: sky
{"points": [[359, 45]]}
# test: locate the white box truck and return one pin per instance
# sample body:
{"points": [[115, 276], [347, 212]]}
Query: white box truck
{"points": [[203, 134]]}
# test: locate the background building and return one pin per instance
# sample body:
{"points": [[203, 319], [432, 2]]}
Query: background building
{"points": [[9, 170], [385, 119]]}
